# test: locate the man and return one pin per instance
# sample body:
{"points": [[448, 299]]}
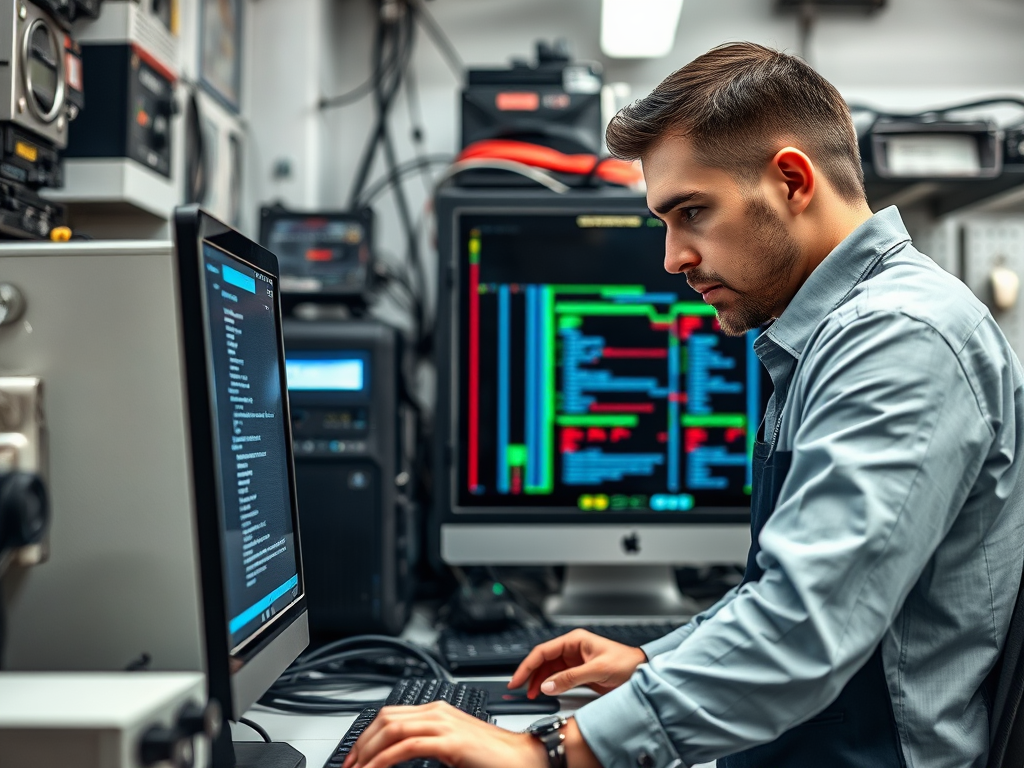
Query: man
{"points": [[887, 517]]}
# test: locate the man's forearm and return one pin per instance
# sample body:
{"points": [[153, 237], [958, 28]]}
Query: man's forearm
{"points": [[577, 752]]}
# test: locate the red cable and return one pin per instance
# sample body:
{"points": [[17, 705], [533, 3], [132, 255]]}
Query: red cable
{"points": [[610, 169]]}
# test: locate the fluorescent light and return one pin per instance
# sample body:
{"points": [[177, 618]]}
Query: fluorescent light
{"points": [[639, 29]]}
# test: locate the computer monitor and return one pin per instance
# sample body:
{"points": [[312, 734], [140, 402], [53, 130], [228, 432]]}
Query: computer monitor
{"points": [[591, 411], [244, 479]]}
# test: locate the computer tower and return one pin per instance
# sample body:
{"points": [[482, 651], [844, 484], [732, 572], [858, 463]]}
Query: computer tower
{"points": [[352, 434]]}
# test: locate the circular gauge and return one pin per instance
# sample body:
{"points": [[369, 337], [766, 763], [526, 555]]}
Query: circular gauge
{"points": [[42, 67]]}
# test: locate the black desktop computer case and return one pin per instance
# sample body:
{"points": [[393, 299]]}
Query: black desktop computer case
{"points": [[358, 520]]}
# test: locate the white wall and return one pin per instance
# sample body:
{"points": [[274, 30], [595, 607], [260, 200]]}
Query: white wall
{"points": [[286, 50]]}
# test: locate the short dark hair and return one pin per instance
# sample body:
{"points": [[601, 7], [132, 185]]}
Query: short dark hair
{"points": [[735, 103]]}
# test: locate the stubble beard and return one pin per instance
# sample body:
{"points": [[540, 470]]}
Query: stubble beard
{"points": [[778, 253]]}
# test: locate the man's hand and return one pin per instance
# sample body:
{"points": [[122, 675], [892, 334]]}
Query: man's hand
{"points": [[577, 658], [441, 731]]}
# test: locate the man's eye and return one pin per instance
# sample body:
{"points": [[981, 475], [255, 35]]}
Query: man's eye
{"points": [[689, 214]]}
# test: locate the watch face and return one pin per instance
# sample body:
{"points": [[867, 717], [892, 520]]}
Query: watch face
{"points": [[547, 724]]}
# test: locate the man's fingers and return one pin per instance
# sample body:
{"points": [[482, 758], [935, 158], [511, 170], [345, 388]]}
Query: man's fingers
{"points": [[541, 674], [414, 747], [560, 682], [552, 649], [395, 724], [566, 647]]}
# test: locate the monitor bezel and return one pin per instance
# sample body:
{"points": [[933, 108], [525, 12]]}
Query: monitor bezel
{"points": [[449, 308], [193, 228]]}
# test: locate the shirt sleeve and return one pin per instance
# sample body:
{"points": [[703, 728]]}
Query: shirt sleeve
{"points": [[890, 439], [674, 638]]}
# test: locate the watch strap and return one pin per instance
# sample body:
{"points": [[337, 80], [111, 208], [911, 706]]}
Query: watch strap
{"points": [[552, 737]]}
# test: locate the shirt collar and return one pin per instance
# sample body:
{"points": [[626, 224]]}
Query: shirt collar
{"points": [[835, 278]]}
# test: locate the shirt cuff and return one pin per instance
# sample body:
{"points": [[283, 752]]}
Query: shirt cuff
{"points": [[622, 731], [669, 642]]}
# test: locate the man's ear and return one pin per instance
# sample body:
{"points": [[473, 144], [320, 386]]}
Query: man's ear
{"points": [[796, 177]]}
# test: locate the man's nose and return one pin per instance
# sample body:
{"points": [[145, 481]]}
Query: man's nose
{"points": [[679, 257]]}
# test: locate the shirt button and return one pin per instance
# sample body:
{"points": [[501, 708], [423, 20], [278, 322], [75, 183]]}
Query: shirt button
{"points": [[644, 760]]}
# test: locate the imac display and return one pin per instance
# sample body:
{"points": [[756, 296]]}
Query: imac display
{"points": [[589, 379], [592, 412]]}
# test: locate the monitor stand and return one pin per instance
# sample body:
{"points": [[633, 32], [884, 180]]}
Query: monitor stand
{"points": [[260, 754], [633, 592]]}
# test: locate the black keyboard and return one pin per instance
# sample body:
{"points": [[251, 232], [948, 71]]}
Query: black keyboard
{"points": [[503, 651], [409, 692]]}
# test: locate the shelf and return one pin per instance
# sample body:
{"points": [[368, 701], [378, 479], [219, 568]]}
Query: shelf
{"points": [[943, 197]]}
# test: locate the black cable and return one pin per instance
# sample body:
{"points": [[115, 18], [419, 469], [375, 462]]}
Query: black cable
{"points": [[375, 643], [349, 97], [409, 167], [441, 40], [939, 112], [412, 237], [256, 727], [383, 89], [412, 106], [197, 161], [384, 101], [361, 91], [329, 669]]}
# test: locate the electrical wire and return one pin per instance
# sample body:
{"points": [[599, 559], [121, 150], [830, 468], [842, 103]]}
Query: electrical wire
{"points": [[388, 42], [381, 71], [256, 727], [340, 667], [925, 115], [415, 112], [409, 167], [544, 179], [441, 40]]}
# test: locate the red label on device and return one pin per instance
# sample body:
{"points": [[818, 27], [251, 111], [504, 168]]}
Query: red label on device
{"points": [[517, 101]]}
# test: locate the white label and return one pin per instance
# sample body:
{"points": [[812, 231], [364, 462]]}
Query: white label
{"points": [[922, 154]]}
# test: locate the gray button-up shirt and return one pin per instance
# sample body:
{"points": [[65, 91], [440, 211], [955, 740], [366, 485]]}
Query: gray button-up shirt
{"points": [[901, 522]]}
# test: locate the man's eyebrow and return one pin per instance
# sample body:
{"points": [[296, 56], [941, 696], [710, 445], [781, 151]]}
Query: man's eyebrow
{"points": [[674, 201]]}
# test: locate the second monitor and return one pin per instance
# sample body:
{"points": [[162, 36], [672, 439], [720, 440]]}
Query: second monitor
{"points": [[591, 410]]}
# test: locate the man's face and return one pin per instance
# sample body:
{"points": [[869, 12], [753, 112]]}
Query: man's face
{"points": [[723, 235]]}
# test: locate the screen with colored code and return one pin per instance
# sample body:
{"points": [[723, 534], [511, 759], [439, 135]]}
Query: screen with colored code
{"points": [[589, 378]]}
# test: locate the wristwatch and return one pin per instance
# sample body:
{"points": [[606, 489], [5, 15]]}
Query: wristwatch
{"points": [[548, 731]]}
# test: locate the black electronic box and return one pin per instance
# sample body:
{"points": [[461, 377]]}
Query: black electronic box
{"points": [[554, 103], [352, 439], [324, 256], [131, 103]]}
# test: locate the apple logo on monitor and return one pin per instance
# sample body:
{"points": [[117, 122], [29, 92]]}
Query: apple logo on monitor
{"points": [[631, 544]]}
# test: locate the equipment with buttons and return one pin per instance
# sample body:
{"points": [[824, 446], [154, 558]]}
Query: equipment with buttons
{"points": [[40, 93], [412, 692], [132, 97], [106, 720], [32, 71], [120, 154], [25, 215], [353, 434], [502, 652], [24, 159]]}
